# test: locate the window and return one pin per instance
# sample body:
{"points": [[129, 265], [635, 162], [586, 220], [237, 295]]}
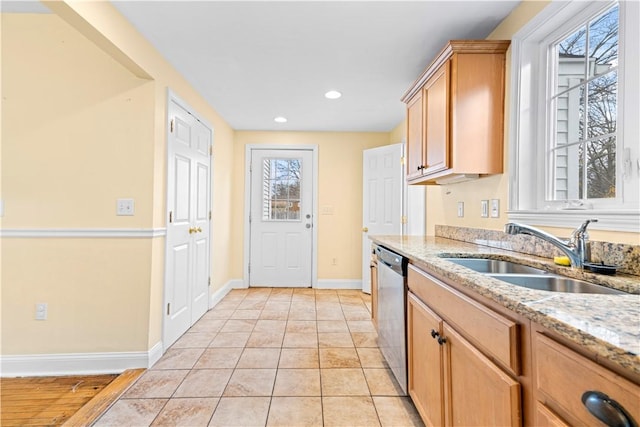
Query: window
{"points": [[281, 189], [575, 143]]}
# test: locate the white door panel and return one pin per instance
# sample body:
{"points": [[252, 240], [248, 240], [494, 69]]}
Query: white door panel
{"points": [[281, 218], [383, 177], [188, 231]]}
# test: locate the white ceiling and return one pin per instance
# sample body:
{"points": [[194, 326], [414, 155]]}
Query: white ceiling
{"points": [[255, 60]]}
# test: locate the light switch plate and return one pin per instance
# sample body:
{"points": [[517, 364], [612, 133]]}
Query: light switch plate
{"points": [[495, 208], [460, 209], [125, 207], [41, 311], [484, 209]]}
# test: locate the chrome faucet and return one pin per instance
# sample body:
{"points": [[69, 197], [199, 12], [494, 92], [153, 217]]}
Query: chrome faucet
{"points": [[576, 247]]}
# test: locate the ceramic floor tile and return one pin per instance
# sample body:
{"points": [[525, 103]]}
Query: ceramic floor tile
{"points": [[217, 313], [397, 412], [365, 339], [179, 358], [251, 382], [238, 325], [300, 339], [305, 326], [382, 382], [241, 412], [339, 358], [231, 339], [302, 314], [194, 340], [208, 325], [204, 383], [277, 305], [361, 326], [259, 358], [156, 384], [186, 412], [328, 306], [270, 326], [245, 314], [218, 358], [372, 358], [252, 304], [335, 339], [357, 314], [295, 412], [332, 326], [265, 339], [274, 314], [348, 411], [329, 315], [343, 382], [130, 412], [297, 382], [299, 358]]}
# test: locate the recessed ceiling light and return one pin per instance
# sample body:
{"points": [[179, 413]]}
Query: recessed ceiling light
{"points": [[280, 119], [333, 94]]}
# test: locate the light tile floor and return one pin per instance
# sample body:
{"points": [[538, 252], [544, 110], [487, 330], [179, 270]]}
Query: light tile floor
{"points": [[271, 357]]}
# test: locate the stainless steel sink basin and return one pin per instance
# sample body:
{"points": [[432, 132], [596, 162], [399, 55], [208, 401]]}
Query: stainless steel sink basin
{"points": [[483, 265], [555, 284]]}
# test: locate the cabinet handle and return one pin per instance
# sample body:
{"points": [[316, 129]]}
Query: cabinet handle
{"points": [[442, 340], [434, 333], [606, 410]]}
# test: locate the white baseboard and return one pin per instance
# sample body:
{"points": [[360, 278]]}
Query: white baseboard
{"points": [[38, 365], [217, 296], [339, 284]]}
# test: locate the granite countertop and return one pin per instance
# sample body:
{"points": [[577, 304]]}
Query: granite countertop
{"points": [[605, 325]]}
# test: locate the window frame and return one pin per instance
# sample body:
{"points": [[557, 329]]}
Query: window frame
{"points": [[530, 121]]}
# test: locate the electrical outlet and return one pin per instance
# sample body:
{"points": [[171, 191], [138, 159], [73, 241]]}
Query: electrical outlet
{"points": [[495, 208], [460, 209], [334, 261], [484, 209], [41, 311], [125, 207]]}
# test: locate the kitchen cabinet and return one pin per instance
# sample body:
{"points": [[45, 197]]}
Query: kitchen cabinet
{"points": [[455, 114], [562, 378], [454, 348]]}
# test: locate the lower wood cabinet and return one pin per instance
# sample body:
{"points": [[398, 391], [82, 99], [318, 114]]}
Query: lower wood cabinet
{"points": [[578, 391], [451, 381]]}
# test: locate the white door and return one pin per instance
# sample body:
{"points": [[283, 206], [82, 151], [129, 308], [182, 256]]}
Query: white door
{"points": [[281, 218], [382, 181], [188, 203]]}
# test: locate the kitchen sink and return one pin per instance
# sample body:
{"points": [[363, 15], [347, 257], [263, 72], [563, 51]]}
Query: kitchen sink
{"points": [[554, 284], [491, 266]]}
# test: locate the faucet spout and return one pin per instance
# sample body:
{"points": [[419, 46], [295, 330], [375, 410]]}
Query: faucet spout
{"points": [[576, 248]]}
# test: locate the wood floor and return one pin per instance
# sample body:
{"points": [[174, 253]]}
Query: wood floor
{"points": [[54, 401]]}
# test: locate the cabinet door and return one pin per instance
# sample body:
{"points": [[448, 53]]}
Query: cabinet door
{"points": [[478, 393], [425, 361], [436, 94], [546, 418], [374, 295], [415, 136]]}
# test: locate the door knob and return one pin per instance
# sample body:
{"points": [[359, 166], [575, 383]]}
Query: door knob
{"points": [[365, 229], [192, 230], [198, 230]]}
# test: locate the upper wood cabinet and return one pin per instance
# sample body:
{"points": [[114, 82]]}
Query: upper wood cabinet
{"points": [[455, 114]]}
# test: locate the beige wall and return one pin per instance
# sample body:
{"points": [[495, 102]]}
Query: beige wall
{"points": [[79, 131], [339, 186], [442, 201]]}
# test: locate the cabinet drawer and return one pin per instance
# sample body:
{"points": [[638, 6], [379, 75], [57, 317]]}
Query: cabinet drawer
{"points": [[546, 418], [562, 376], [495, 335]]}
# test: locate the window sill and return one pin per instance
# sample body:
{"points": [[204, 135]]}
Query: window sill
{"points": [[624, 221]]}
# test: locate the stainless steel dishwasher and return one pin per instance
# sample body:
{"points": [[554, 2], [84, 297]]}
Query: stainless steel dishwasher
{"points": [[392, 297]]}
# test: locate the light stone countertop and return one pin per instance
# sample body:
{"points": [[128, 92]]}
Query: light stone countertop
{"points": [[605, 325]]}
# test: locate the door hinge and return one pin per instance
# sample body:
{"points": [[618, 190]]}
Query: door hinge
{"points": [[209, 281], [404, 219], [168, 308], [249, 218], [209, 215], [170, 217], [211, 150], [172, 125], [249, 268], [402, 160]]}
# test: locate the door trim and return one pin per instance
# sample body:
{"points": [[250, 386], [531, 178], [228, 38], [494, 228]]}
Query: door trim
{"points": [[173, 97], [247, 206]]}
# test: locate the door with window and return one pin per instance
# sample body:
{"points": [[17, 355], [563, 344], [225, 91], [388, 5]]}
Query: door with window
{"points": [[188, 203], [281, 218]]}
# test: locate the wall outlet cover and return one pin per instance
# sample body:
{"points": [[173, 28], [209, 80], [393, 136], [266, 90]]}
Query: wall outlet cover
{"points": [[484, 209], [125, 207], [460, 209]]}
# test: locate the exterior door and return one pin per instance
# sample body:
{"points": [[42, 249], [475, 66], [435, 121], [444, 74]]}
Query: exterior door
{"points": [[382, 180], [281, 218], [188, 231]]}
